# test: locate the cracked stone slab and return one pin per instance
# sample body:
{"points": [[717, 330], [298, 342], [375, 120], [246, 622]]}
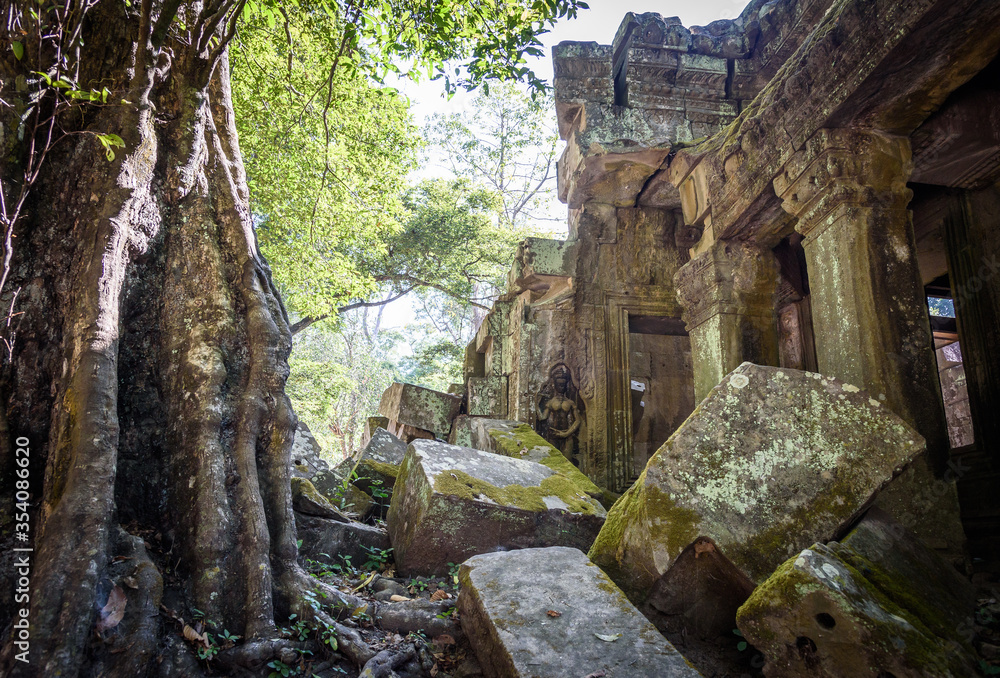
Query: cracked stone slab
{"points": [[551, 613]]}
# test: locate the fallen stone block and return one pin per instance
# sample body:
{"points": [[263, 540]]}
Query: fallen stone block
{"points": [[408, 433], [307, 499], [371, 425], [699, 595], [771, 461], [329, 541], [453, 502], [377, 467], [420, 408], [328, 481], [550, 612], [305, 454], [353, 500], [520, 441], [876, 604], [487, 396]]}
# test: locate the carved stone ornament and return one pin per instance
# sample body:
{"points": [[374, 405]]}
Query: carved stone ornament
{"points": [[560, 411]]}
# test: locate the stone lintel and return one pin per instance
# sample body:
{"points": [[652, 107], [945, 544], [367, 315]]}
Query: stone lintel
{"points": [[582, 74]]}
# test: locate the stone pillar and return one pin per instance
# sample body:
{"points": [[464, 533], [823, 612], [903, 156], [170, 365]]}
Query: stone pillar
{"points": [[728, 295], [848, 190]]}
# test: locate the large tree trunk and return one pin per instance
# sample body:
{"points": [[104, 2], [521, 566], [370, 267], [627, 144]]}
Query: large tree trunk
{"points": [[147, 369]]}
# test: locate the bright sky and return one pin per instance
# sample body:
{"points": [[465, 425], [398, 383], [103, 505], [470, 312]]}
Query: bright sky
{"points": [[597, 24]]}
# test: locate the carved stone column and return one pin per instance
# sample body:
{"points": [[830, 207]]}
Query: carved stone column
{"points": [[848, 190], [728, 295]]}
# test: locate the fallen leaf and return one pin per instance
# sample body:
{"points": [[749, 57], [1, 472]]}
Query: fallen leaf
{"points": [[193, 636], [596, 674], [553, 613], [398, 598], [440, 594], [366, 582], [608, 638], [114, 611]]}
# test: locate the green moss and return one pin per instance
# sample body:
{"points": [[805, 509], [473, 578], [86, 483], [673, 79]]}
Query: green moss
{"points": [[388, 470], [923, 647], [670, 524], [789, 585], [779, 592], [759, 555], [605, 549], [900, 592], [460, 484], [523, 438], [301, 487]]}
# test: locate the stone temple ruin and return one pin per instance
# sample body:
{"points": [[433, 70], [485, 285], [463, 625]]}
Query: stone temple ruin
{"points": [[736, 336]]}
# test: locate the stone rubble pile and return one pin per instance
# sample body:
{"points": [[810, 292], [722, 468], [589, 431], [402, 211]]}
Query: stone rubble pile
{"points": [[756, 515]]}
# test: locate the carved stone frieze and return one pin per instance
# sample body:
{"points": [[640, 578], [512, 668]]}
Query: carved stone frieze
{"points": [[732, 277], [841, 167]]}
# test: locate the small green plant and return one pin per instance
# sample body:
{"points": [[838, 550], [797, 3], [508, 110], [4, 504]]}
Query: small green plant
{"points": [[447, 613], [327, 634], [742, 645], [377, 558], [208, 653], [378, 492], [227, 636], [453, 573], [298, 628], [342, 491], [988, 669], [281, 669]]}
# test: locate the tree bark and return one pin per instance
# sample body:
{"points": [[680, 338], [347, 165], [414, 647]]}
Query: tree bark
{"points": [[148, 367]]}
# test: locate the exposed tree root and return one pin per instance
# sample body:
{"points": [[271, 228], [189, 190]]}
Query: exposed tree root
{"points": [[253, 655], [382, 664]]}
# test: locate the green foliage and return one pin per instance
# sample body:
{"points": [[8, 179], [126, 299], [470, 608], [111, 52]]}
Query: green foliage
{"points": [[449, 242], [437, 358], [319, 150], [505, 143], [465, 42], [326, 148], [377, 558], [337, 379]]}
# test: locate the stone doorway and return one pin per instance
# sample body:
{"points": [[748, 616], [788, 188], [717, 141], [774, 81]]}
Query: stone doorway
{"points": [[661, 383]]}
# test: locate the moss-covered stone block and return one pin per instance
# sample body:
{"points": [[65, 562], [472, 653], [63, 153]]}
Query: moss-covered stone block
{"points": [[420, 407], [307, 499], [771, 461], [378, 466], [520, 441], [549, 612], [487, 396], [306, 454], [450, 503], [876, 604]]}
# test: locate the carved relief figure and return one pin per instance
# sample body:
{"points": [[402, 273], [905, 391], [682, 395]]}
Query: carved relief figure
{"points": [[560, 411]]}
